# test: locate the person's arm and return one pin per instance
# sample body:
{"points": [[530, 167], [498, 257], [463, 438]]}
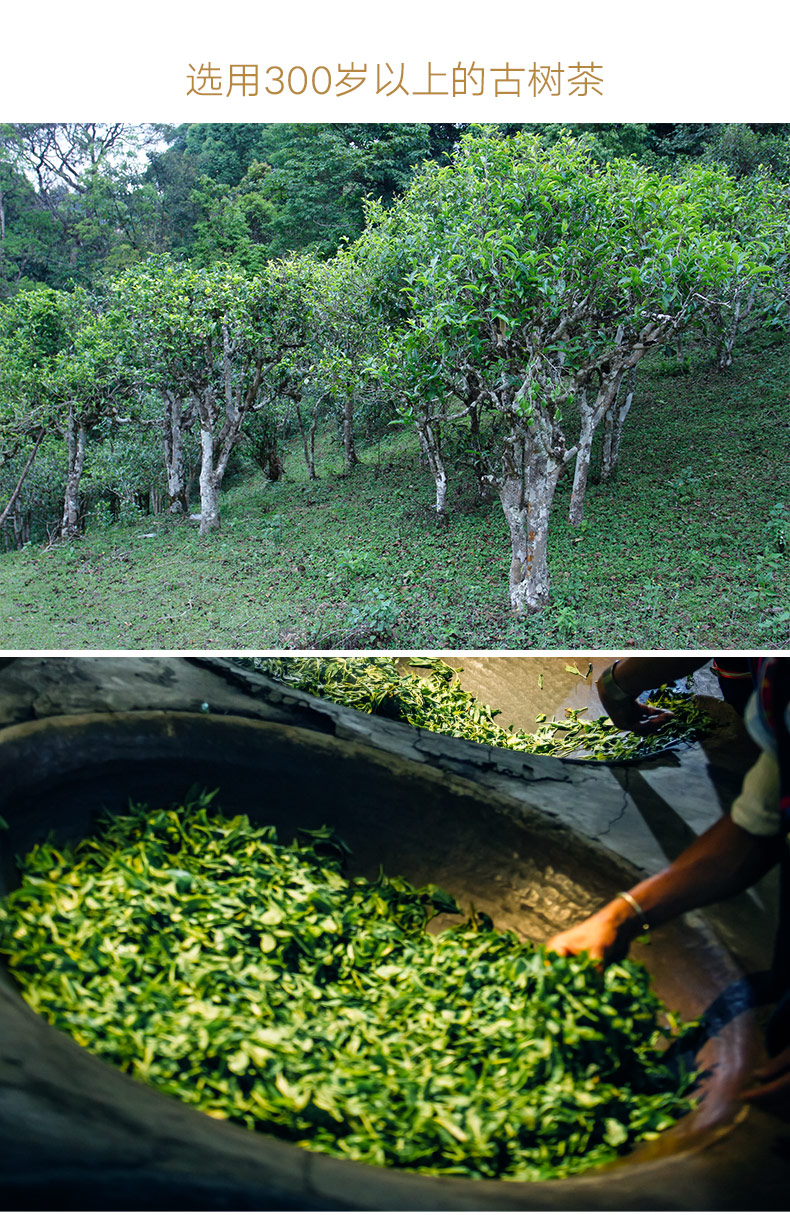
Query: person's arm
{"points": [[723, 861], [620, 684]]}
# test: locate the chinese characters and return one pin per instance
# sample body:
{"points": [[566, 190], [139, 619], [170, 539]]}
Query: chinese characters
{"points": [[579, 79]]}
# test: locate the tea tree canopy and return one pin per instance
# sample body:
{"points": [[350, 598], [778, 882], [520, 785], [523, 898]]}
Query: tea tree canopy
{"points": [[536, 279]]}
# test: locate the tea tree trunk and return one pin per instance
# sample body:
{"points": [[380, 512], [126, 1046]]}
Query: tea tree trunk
{"points": [[582, 469], [726, 342], [209, 482], [591, 416], [20, 522], [478, 460], [308, 439], [216, 445], [349, 449], [76, 439], [173, 447], [613, 426], [526, 493], [431, 443]]}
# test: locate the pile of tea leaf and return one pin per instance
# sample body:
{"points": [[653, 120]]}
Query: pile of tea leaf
{"points": [[256, 981], [435, 700]]}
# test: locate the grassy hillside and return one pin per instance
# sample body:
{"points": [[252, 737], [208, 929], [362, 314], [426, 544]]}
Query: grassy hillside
{"points": [[685, 550]]}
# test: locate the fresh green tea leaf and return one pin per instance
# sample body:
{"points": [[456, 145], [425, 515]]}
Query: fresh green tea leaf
{"points": [[260, 983]]}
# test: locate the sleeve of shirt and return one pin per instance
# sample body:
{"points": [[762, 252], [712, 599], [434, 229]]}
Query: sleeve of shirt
{"points": [[756, 808]]}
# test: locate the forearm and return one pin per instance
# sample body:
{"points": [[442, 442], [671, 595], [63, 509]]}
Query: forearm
{"points": [[636, 675], [620, 684], [723, 861]]}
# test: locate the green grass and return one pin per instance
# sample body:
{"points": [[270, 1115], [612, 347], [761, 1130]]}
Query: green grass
{"points": [[681, 551]]}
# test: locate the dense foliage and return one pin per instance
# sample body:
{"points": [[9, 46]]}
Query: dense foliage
{"points": [[258, 982], [77, 199]]}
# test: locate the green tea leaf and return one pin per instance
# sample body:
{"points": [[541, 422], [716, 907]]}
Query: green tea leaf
{"points": [[258, 982]]}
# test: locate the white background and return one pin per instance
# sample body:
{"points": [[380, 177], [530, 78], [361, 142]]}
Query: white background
{"points": [[695, 60]]}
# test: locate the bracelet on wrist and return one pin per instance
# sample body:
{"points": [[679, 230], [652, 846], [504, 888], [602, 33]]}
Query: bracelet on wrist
{"points": [[637, 910], [614, 694]]}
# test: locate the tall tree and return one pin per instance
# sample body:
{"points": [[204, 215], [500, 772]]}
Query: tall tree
{"points": [[87, 180], [321, 174]]}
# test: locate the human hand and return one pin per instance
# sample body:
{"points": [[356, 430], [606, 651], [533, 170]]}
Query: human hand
{"points": [[772, 1089], [625, 711], [639, 718], [643, 718], [605, 935]]}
